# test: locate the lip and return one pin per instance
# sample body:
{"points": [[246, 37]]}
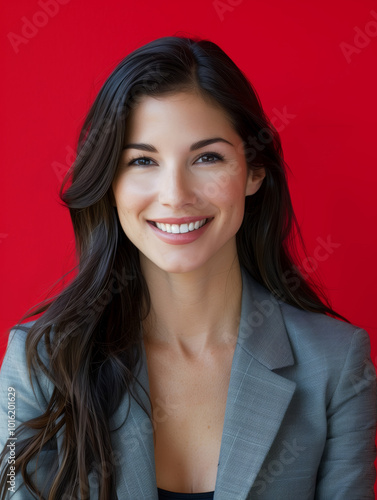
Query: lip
{"points": [[181, 220], [180, 238]]}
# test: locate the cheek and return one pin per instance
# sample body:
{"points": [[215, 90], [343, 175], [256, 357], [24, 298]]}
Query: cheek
{"points": [[225, 184], [131, 194], [230, 193]]}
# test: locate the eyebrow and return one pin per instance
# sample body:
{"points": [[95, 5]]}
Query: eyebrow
{"points": [[193, 147]]}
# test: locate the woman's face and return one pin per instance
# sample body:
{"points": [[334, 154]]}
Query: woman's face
{"points": [[181, 183]]}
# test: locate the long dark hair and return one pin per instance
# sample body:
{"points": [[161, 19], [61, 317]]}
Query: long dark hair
{"points": [[91, 331]]}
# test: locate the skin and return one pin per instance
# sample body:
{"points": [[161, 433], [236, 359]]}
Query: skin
{"points": [[195, 288]]}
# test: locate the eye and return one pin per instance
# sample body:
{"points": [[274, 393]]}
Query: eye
{"points": [[216, 156], [142, 159]]}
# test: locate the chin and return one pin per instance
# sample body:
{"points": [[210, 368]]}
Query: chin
{"points": [[172, 266], [180, 268]]}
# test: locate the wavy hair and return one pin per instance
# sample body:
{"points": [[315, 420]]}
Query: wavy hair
{"points": [[91, 331]]}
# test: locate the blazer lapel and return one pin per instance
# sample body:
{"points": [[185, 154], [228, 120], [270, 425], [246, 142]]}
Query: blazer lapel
{"points": [[257, 397], [133, 444], [256, 403]]}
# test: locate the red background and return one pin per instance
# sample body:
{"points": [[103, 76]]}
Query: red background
{"points": [[311, 58]]}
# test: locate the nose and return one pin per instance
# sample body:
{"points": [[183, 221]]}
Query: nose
{"points": [[177, 188]]}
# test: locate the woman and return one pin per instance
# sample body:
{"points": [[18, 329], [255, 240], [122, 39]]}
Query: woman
{"points": [[188, 358]]}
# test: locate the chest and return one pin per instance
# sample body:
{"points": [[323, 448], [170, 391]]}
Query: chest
{"points": [[188, 408]]}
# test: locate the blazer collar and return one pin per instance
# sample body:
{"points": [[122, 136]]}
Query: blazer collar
{"points": [[256, 403], [262, 330]]}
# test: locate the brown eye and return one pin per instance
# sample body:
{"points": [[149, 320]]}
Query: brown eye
{"points": [[213, 158], [142, 159]]}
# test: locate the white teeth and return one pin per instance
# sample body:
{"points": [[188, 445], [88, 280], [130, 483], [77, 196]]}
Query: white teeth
{"points": [[180, 228]]}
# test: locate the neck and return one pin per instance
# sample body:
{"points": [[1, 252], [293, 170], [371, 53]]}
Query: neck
{"points": [[193, 313]]}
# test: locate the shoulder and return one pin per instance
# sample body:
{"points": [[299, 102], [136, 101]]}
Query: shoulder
{"points": [[320, 333], [18, 333], [316, 330], [280, 334], [329, 349], [16, 347], [14, 365]]}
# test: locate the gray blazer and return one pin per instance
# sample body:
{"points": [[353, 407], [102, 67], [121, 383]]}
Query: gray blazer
{"points": [[300, 415]]}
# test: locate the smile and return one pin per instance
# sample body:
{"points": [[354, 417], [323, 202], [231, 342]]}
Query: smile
{"points": [[180, 228]]}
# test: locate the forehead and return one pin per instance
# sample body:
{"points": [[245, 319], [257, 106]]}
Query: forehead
{"points": [[173, 113]]}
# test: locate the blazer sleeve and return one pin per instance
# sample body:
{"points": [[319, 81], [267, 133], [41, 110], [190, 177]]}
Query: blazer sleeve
{"points": [[347, 468], [28, 405]]}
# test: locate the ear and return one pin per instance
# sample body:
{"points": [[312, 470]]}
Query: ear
{"points": [[254, 180]]}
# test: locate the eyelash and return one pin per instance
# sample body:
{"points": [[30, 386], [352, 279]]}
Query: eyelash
{"points": [[218, 156]]}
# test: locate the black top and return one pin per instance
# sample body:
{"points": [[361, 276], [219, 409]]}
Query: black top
{"points": [[170, 495]]}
